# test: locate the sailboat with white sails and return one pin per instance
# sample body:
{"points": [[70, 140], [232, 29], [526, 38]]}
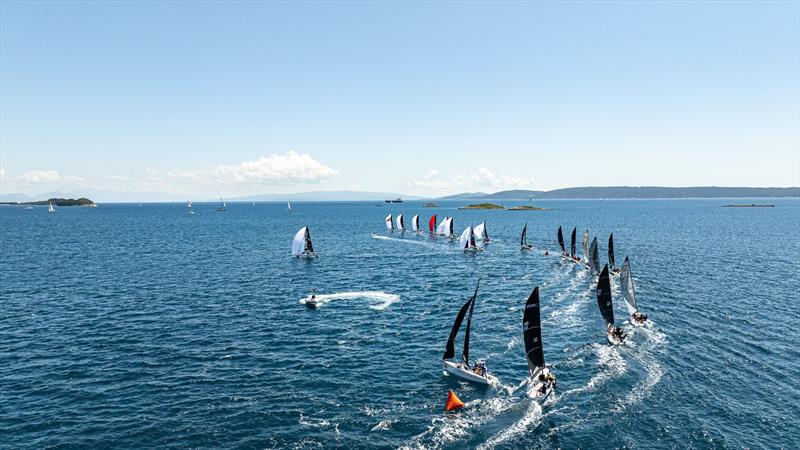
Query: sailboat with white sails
{"points": [[301, 244], [50, 208], [629, 294], [389, 223], [415, 223], [189, 209], [467, 240], [401, 226], [478, 372], [481, 233], [541, 381], [222, 205]]}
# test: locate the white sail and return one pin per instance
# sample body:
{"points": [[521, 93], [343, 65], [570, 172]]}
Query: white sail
{"points": [[399, 220], [299, 242], [50, 207], [415, 222], [448, 231], [441, 229], [480, 231], [586, 255], [626, 286], [289, 205], [465, 239], [389, 224]]}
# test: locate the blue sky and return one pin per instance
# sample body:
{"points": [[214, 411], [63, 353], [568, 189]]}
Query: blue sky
{"points": [[176, 100]]}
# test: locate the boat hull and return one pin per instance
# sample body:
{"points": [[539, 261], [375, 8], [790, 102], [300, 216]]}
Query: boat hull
{"points": [[457, 370], [534, 393], [613, 340]]}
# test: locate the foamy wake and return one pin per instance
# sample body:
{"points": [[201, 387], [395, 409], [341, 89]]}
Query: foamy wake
{"points": [[531, 418], [412, 241], [380, 300], [644, 357], [449, 428], [612, 364]]}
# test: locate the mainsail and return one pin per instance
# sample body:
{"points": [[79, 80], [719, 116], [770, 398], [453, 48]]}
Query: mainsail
{"points": [[432, 224], [481, 233], [400, 223], [604, 297], [594, 258], [523, 240], [449, 349], [561, 240], [572, 242], [389, 223], [415, 222], [611, 251], [532, 332], [626, 286], [586, 245], [450, 227]]}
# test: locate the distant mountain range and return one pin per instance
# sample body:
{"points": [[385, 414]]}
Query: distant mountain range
{"points": [[609, 192]]}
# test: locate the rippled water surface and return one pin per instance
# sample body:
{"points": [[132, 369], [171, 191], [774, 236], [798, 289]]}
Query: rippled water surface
{"points": [[144, 326]]}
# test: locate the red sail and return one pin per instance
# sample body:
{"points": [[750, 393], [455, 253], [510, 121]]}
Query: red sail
{"points": [[432, 224]]}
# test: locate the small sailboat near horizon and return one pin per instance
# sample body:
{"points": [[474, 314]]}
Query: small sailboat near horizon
{"points": [[222, 205], [614, 334], [467, 240], [629, 294], [541, 381], [289, 205], [301, 244], [189, 207], [50, 208], [478, 372], [523, 239]]}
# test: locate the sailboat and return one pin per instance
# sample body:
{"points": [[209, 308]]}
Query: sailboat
{"points": [[586, 248], [301, 244], [561, 242], [594, 258], [481, 232], [467, 240], [446, 227], [614, 334], [400, 223], [542, 381], [611, 264], [289, 205], [50, 208], [440, 230], [523, 239], [189, 209], [478, 373], [449, 230], [222, 205], [432, 224], [629, 294], [389, 223], [415, 223]]}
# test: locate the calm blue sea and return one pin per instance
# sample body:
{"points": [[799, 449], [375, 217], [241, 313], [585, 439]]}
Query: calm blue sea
{"points": [[141, 327]]}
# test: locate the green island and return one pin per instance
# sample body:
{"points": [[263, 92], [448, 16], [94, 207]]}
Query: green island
{"points": [[751, 205], [430, 205], [482, 206], [56, 202], [527, 208]]}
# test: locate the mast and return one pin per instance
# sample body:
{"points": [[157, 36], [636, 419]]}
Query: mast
{"points": [[561, 240], [465, 354], [627, 288], [449, 349], [572, 242], [611, 251], [532, 332], [604, 297]]}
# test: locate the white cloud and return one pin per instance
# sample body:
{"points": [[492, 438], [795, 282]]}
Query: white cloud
{"points": [[40, 176], [2, 173], [484, 179], [289, 168]]}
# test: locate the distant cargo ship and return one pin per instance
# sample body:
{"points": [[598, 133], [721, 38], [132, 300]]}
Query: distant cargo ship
{"points": [[397, 200]]}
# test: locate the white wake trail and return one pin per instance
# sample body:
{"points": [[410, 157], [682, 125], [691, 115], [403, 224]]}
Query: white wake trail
{"points": [[384, 299]]}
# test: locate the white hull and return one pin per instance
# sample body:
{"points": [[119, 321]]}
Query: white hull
{"points": [[466, 374], [306, 255], [525, 247], [613, 340], [534, 392]]}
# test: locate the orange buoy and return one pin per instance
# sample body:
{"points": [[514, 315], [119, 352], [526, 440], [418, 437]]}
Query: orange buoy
{"points": [[453, 402]]}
